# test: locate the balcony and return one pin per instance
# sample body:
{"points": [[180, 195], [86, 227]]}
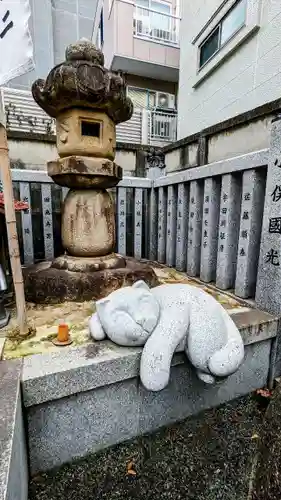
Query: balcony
{"points": [[155, 26], [142, 41]]}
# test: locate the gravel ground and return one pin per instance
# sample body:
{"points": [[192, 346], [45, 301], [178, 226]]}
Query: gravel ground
{"points": [[206, 457]]}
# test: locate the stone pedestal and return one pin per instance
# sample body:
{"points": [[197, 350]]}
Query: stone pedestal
{"points": [[47, 283], [83, 172], [88, 225], [87, 101]]}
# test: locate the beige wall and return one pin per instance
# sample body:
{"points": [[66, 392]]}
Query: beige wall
{"points": [[245, 139], [126, 160], [249, 77], [172, 161], [236, 141], [33, 154]]}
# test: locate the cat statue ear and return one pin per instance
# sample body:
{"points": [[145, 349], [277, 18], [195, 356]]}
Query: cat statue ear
{"points": [[141, 285]]}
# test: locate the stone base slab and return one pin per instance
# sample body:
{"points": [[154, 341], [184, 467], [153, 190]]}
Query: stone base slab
{"points": [[117, 407], [45, 284], [84, 172]]}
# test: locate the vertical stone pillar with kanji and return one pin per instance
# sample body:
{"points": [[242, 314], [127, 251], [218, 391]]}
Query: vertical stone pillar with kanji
{"points": [[268, 291]]}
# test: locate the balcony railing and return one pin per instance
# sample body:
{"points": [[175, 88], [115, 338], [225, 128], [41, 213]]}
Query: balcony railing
{"points": [[156, 26]]}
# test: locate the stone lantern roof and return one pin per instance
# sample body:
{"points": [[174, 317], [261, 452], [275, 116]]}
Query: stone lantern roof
{"points": [[82, 81]]}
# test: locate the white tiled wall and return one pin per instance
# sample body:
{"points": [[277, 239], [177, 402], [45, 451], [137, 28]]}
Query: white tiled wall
{"points": [[249, 78]]}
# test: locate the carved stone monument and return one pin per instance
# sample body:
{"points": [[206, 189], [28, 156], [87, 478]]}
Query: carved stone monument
{"points": [[87, 101], [165, 319]]}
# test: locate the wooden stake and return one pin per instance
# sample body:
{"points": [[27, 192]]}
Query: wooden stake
{"points": [[12, 231]]}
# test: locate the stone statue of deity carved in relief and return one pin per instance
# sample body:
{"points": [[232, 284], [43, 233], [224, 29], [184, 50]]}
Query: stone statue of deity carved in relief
{"points": [[163, 318]]}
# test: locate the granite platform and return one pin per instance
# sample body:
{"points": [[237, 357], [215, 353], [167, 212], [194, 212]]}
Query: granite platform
{"points": [[90, 397]]}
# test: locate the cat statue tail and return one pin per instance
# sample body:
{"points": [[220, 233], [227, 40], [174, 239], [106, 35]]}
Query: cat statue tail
{"points": [[227, 360]]}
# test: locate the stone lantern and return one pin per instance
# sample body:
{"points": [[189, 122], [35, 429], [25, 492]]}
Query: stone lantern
{"points": [[87, 101]]}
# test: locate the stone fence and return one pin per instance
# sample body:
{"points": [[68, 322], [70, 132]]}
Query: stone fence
{"points": [[220, 223]]}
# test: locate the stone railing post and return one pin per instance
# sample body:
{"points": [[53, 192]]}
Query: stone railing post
{"points": [[268, 290], [155, 169]]}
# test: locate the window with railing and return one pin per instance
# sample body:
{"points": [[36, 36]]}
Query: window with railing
{"points": [[161, 111], [153, 20], [142, 98]]}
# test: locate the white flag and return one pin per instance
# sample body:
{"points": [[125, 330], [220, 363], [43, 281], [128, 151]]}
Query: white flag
{"points": [[16, 50]]}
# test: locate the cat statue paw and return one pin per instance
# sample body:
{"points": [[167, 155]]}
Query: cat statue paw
{"points": [[163, 317]]}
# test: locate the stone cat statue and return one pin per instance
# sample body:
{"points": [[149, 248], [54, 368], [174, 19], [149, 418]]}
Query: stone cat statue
{"points": [[161, 319]]}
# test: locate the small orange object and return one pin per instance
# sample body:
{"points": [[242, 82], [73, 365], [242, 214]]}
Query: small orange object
{"points": [[131, 469], [131, 472], [63, 337]]}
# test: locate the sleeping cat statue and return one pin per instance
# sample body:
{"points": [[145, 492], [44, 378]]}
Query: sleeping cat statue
{"points": [[161, 319]]}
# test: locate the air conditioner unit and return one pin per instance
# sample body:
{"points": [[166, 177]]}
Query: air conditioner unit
{"points": [[165, 101]]}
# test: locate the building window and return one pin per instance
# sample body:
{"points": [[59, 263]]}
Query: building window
{"points": [[230, 24], [153, 19], [142, 98], [210, 46]]}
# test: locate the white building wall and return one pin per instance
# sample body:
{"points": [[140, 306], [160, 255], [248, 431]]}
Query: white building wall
{"points": [[250, 77]]}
